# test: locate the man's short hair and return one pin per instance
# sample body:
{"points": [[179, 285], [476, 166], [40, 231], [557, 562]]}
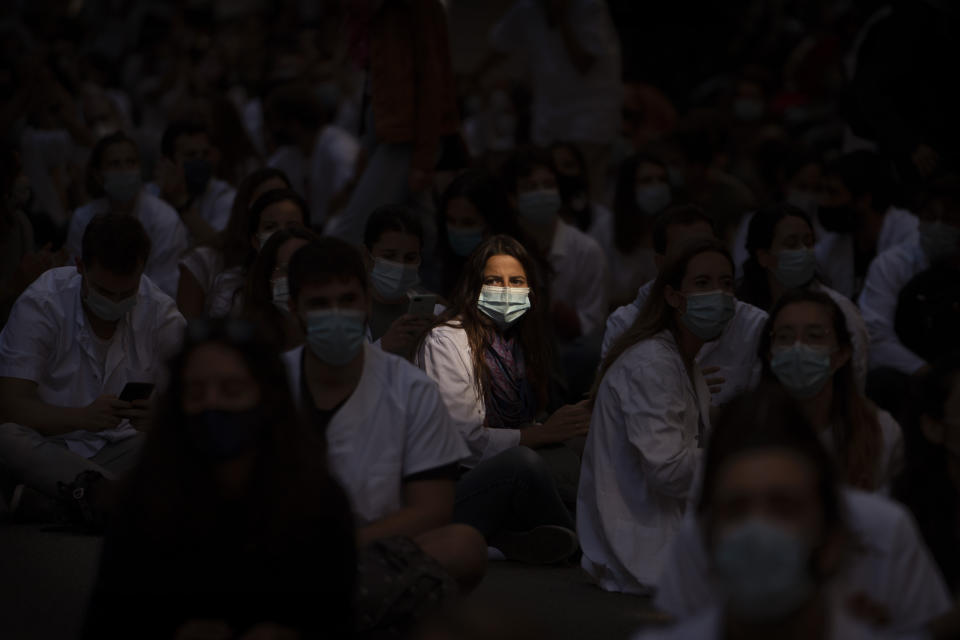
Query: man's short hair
{"points": [[115, 241], [680, 215], [392, 217], [324, 260], [177, 129]]}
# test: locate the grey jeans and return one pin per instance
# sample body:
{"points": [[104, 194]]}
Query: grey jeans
{"points": [[30, 458]]}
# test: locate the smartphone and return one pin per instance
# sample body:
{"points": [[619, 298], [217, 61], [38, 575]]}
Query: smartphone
{"points": [[136, 391], [421, 304]]}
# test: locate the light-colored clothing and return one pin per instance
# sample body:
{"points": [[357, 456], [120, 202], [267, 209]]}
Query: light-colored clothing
{"points": [[446, 357], [835, 250], [216, 204], [859, 337], [708, 625], [321, 176], [392, 426], [892, 566], [628, 272], [890, 462], [735, 351], [48, 340], [204, 264], [579, 276], [222, 289], [567, 105], [168, 236], [649, 423], [888, 275]]}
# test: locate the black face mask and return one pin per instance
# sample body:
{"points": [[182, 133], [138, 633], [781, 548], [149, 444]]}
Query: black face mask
{"points": [[573, 192], [224, 435], [839, 219], [196, 175]]}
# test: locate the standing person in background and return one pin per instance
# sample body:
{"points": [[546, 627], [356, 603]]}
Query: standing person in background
{"points": [[578, 278], [651, 420], [858, 219], [490, 358], [200, 267], [573, 52], [247, 535], [410, 103], [781, 258], [318, 157], [185, 179], [115, 183], [642, 193], [266, 294]]}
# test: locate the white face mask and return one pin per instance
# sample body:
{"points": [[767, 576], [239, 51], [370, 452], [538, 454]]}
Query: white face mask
{"points": [[107, 309], [653, 198], [392, 280], [264, 236], [281, 294]]}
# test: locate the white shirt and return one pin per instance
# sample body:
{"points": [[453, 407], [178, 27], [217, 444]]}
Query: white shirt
{"points": [[859, 337], [215, 204], [835, 250], [223, 289], [640, 459], [579, 275], [446, 357], [708, 625], [49, 341], [204, 264], [893, 566], [567, 105], [392, 426], [890, 462], [330, 167], [735, 351], [889, 273], [168, 236], [628, 272]]}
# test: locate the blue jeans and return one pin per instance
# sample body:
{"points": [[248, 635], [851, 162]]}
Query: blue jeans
{"points": [[512, 491]]}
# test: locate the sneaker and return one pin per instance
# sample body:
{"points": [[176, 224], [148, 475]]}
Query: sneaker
{"points": [[546, 544]]}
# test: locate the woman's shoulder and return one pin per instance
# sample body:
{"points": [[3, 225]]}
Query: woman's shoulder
{"points": [[660, 348], [451, 331]]}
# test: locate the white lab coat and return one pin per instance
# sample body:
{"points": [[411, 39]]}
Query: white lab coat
{"points": [[835, 250], [48, 340], [392, 426], [735, 351], [888, 275], [859, 337], [446, 357], [628, 272], [215, 204], [320, 177], [579, 275], [890, 462], [168, 236], [891, 566], [640, 459]]}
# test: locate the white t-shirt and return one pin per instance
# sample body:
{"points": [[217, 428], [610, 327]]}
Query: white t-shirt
{"points": [[893, 566], [393, 426], [642, 453], [168, 236], [579, 275], [48, 340], [567, 105]]}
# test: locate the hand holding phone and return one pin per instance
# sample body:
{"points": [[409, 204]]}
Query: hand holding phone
{"points": [[421, 304], [133, 391]]}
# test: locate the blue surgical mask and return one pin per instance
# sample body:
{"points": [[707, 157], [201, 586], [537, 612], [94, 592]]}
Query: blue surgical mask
{"points": [[107, 309], [505, 305], [392, 280], [708, 313], [122, 186], [336, 336], [940, 241], [653, 198], [540, 207], [802, 369], [464, 241], [763, 569], [795, 267]]}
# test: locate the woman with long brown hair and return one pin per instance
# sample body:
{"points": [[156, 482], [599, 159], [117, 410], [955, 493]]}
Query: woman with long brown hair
{"points": [[806, 346], [490, 357], [650, 417]]}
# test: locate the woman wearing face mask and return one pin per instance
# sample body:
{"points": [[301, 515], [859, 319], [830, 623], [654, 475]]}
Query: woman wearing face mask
{"points": [[651, 415], [807, 348], [230, 524], [473, 207], [394, 241], [775, 529], [780, 243], [114, 182], [642, 192], [266, 294], [201, 266], [491, 361]]}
